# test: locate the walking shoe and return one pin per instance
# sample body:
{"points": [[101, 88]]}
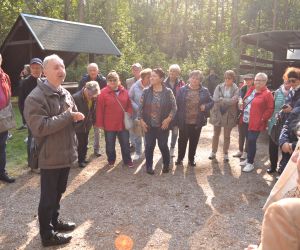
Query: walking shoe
{"points": [[150, 171], [64, 226], [111, 163], [130, 164], [136, 157], [81, 164], [244, 156], [97, 154], [4, 177], [192, 163], [226, 158], [165, 169], [238, 154], [271, 170], [243, 163], [56, 239], [212, 156], [248, 168], [172, 152], [178, 162]]}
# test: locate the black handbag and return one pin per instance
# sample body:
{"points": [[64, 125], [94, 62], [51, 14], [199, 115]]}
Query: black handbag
{"points": [[33, 160]]}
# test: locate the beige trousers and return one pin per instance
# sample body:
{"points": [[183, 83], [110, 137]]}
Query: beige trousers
{"points": [[215, 141]]}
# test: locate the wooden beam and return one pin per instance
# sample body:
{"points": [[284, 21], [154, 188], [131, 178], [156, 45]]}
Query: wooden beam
{"points": [[259, 60], [21, 42], [256, 67]]}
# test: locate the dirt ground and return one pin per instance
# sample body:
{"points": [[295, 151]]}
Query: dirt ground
{"points": [[211, 206]]}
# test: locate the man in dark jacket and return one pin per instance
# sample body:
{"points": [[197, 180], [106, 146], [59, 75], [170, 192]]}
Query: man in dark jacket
{"points": [[85, 100], [93, 74], [212, 81], [50, 113], [26, 86]]}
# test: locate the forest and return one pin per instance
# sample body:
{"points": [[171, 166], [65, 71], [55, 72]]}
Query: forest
{"points": [[198, 34]]}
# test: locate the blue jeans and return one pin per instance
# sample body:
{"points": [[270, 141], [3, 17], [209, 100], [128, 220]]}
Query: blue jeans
{"points": [[137, 142], [174, 136], [110, 140], [161, 136], [3, 139], [252, 138]]}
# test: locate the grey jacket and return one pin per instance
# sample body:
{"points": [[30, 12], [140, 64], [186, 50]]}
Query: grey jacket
{"points": [[49, 119], [229, 106]]}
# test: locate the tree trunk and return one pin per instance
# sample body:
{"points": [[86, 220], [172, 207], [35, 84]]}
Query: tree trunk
{"points": [[81, 4], [234, 21], [274, 14], [67, 9]]}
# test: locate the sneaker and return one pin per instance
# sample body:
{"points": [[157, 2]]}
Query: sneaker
{"points": [[172, 152], [212, 156], [248, 168], [238, 154], [243, 163], [136, 157], [226, 158], [35, 170], [26, 140], [9, 136], [244, 156]]}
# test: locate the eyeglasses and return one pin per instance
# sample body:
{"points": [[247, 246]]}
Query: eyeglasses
{"points": [[292, 80], [228, 78], [259, 80]]}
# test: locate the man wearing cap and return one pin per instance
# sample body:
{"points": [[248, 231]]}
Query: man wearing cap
{"points": [[136, 72], [243, 128], [93, 74], [85, 100], [26, 86]]}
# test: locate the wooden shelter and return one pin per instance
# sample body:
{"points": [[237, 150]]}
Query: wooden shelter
{"points": [[36, 36]]}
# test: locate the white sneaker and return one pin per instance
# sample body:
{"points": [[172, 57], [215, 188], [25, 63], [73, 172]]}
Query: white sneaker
{"points": [[244, 156], [172, 152], [212, 156], [248, 168], [226, 158], [238, 154], [243, 163], [136, 157]]}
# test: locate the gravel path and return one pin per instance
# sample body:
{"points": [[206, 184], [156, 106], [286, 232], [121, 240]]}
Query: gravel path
{"points": [[212, 206]]}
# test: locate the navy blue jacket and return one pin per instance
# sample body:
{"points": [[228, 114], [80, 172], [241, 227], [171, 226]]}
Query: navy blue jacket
{"points": [[289, 131], [86, 78], [205, 99]]}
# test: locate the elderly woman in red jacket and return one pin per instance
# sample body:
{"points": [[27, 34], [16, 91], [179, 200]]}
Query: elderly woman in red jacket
{"points": [[258, 109], [110, 118]]}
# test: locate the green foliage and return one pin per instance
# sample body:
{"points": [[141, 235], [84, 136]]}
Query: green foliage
{"points": [[194, 34]]}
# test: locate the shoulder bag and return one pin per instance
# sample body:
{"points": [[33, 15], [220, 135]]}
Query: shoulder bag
{"points": [[7, 119], [128, 122]]}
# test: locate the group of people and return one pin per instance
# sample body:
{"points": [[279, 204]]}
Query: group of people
{"points": [[60, 123]]}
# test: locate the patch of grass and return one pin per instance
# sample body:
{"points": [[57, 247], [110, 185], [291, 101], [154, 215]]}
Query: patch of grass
{"points": [[16, 154]]}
